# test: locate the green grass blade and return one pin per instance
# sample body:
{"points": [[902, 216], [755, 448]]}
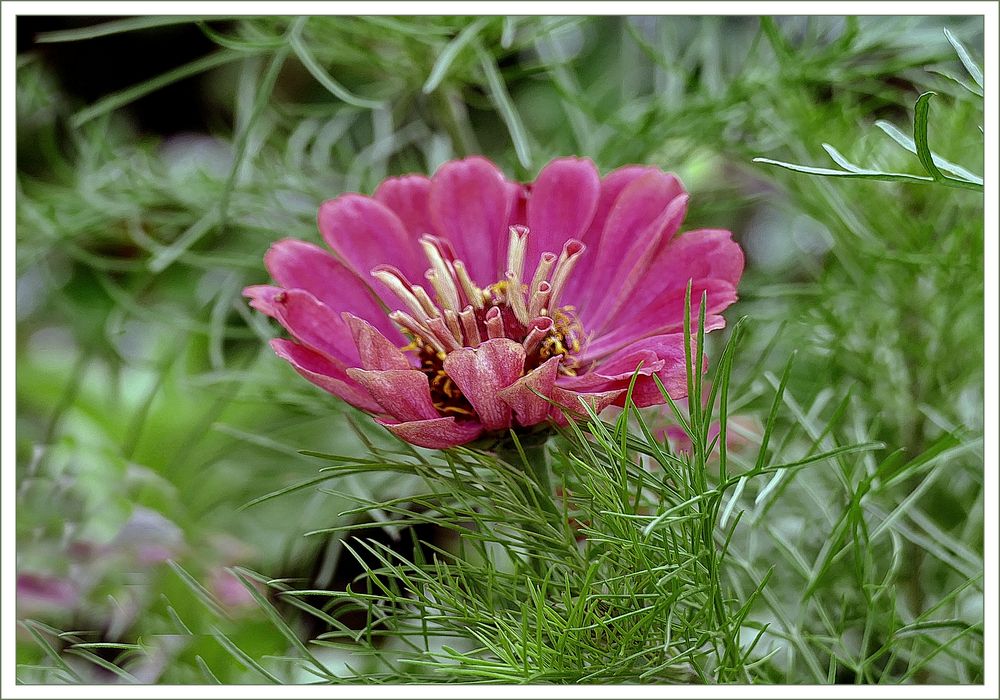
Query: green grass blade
{"points": [[907, 143], [975, 72], [317, 71], [440, 70], [920, 115], [504, 105], [118, 26], [117, 100]]}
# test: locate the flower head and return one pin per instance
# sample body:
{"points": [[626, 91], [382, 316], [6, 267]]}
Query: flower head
{"points": [[465, 304]]}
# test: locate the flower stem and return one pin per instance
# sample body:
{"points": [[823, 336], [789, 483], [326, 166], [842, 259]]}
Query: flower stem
{"points": [[530, 450]]}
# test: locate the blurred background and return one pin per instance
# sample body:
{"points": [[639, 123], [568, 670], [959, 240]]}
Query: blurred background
{"points": [[159, 157]]}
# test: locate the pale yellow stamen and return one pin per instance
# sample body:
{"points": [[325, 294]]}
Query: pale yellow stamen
{"points": [[515, 297], [539, 299], [430, 308], [570, 255], [444, 279], [473, 293], [416, 329], [451, 319], [539, 328], [401, 289]]}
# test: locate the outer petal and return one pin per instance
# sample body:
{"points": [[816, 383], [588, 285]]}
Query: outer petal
{"points": [[611, 188], [633, 266], [709, 258], [665, 314], [261, 297], [374, 349], [470, 201], [571, 403], [315, 325], [366, 233], [480, 373], [644, 217], [523, 395], [662, 355], [325, 374], [437, 433], [295, 264], [403, 393], [407, 197], [561, 205], [703, 253]]}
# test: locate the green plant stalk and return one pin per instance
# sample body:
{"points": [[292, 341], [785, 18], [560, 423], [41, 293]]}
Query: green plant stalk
{"points": [[530, 452]]}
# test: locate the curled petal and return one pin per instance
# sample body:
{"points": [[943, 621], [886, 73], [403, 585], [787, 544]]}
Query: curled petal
{"points": [[700, 254], [612, 186], [480, 373], [568, 401], [261, 297], [709, 258], [632, 268], [662, 355], [325, 374], [470, 201], [437, 433], [561, 205], [528, 395], [405, 394], [374, 349]]}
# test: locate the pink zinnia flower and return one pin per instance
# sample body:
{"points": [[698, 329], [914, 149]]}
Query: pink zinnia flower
{"points": [[456, 305]]}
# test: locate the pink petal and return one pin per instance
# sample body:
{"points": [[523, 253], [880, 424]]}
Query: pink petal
{"points": [[662, 355], [295, 264], [366, 233], [611, 188], [407, 197], [374, 349], [561, 205], [325, 374], [315, 325], [569, 401], [437, 434], [523, 395], [34, 590], [261, 297], [644, 217], [469, 204], [480, 373], [519, 207], [403, 393], [709, 258], [664, 314], [699, 254]]}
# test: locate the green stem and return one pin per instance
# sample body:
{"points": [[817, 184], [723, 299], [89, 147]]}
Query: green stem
{"points": [[537, 460]]}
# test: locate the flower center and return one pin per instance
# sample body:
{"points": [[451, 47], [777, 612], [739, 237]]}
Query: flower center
{"points": [[461, 314]]}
